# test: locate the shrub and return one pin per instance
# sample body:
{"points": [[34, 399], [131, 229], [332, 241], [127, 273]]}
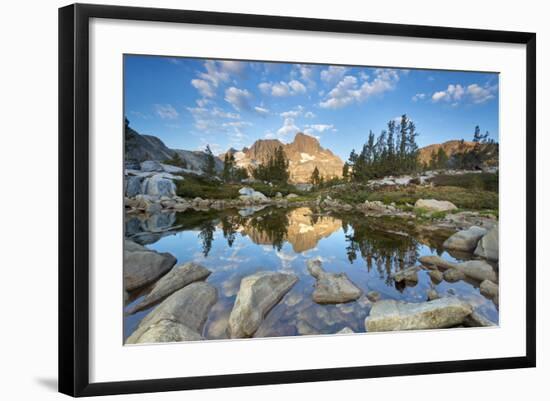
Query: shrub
{"points": [[478, 181]]}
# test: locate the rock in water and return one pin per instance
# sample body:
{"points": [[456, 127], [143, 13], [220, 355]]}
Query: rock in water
{"points": [[465, 240], [177, 278], [332, 288], [487, 246], [409, 275], [433, 260], [391, 315], [476, 320], [478, 270], [180, 317], [143, 266], [435, 205], [346, 330], [489, 289], [257, 294]]}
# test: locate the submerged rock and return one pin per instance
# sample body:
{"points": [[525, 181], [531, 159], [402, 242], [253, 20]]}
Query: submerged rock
{"points": [[435, 205], [390, 315], [432, 294], [476, 320], [257, 294], [332, 288], [433, 260], [177, 278], [478, 270], [143, 266], [346, 330], [487, 246], [453, 275], [436, 276], [180, 317], [489, 289], [373, 296], [409, 275], [465, 240]]}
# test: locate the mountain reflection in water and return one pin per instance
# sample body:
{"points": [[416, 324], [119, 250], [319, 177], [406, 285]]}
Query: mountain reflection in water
{"points": [[234, 245]]}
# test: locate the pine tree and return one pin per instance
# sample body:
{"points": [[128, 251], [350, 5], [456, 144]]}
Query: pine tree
{"points": [[345, 171], [315, 178], [210, 164], [441, 159], [228, 167]]}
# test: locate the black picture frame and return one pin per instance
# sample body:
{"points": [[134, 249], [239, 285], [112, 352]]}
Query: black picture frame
{"points": [[74, 198]]}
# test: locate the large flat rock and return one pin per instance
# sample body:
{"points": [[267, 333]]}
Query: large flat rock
{"points": [[143, 266], [257, 294], [434, 205], [180, 317], [391, 315], [175, 279], [332, 288], [465, 240]]}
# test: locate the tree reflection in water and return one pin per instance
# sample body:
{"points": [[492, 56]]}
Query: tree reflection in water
{"points": [[380, 244]]}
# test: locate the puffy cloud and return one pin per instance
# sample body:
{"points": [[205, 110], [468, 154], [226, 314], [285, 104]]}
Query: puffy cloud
{"points": [[419, 96], [238, 98], [204, 88], [473, 93], [306, 73], [348, 91], [217, 112], [480, 94], [289, 127], [333, 74], [282, 88], [452, 93], [320, 127], [309, 114], [166, 111]]}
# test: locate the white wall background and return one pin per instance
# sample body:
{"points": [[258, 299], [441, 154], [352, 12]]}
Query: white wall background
{"points": [[28, 199]]}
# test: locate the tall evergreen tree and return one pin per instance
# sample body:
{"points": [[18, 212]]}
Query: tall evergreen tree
{"points": [[315, 177], [210, 164]]}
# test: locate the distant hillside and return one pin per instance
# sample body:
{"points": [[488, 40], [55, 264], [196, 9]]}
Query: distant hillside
{"points": [[139, 148], [450, 148]]}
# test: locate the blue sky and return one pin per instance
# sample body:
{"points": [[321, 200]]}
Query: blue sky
{"points": [[189, 103]]}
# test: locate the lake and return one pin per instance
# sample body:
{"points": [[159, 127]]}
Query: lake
{"points": [[234, 244]]}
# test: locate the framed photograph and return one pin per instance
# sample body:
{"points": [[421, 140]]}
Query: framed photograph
{"points": [[250, 199]]}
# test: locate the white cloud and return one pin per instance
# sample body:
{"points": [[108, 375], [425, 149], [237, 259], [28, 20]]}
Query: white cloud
{"points": [[282, 89], [309, 114], [261, 110], [480, 94], [204, 88], [348, 91], [166, 111], [289, 127], [333, 74], [473, 93], [217, 112], [320, 127], [238, 98], [452, 93], [419, 96], [290, 114], [307, 75]]}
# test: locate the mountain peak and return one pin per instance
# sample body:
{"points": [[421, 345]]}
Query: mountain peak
{"points": [[305, 143]]}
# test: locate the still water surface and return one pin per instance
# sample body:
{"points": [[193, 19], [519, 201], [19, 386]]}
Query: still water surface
{"points": [[233, 246]]}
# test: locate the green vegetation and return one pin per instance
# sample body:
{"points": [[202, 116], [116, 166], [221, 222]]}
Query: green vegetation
{"points": [[203, 187], [231, 172], [477, 181], [210, 165], [275, 169], [176, 160], [394, 152], [462, 197], [438, 160]]}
